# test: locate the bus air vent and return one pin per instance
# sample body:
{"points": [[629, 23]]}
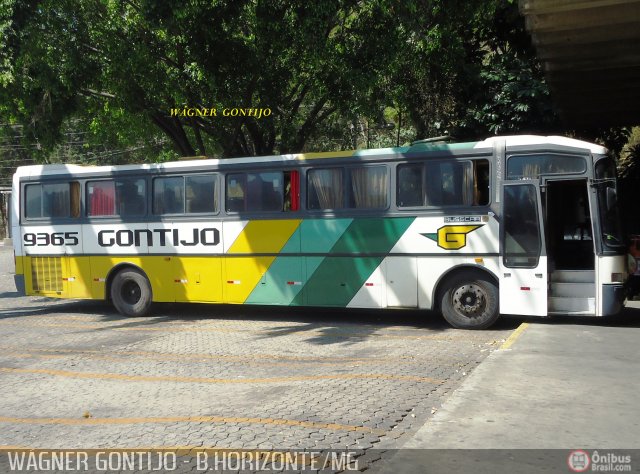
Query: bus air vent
{"points": [[46, 274]]}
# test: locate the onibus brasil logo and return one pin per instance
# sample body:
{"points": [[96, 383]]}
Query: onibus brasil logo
{"points": [[452, 237]]}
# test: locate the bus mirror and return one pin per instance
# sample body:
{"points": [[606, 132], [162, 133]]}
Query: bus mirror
{"points": [[611, 198]]}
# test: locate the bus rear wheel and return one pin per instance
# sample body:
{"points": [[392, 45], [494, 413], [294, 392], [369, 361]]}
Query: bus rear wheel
{"points": [[131, 293], [470, 302]]}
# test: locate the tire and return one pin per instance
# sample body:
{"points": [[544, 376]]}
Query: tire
{"points": [[131, 293], [470, 302]]}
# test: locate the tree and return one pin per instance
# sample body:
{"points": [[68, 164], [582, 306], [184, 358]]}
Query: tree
{"points": [[139, 60]]}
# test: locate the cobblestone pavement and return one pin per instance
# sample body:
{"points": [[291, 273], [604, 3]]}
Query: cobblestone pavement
{"points": [[79, 375]]}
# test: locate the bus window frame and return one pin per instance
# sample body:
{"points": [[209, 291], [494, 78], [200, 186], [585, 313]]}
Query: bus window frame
{"points": [[70, 219], [246, 172], [518, 154], [151, 195], [85, 203], [470, 159], [387, 164]]}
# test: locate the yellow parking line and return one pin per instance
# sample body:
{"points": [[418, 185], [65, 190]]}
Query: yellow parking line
{"points": [[514, 335], [188, 419], [167, 378]]}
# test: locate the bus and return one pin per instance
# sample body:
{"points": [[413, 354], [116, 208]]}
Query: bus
{"points": [[523, 225]]}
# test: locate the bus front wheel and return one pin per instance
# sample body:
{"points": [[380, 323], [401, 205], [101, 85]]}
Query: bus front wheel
{"points": [[131, 293], [470, 302]]}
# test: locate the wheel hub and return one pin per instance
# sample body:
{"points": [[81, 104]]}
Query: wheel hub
{"points": [[469, 300], [131, 292]]}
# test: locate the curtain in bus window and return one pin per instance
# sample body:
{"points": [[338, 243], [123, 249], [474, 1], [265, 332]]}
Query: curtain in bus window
{"points": [[326, 189], [467, 184], [369, 187], [101, 198], [75, 198]]}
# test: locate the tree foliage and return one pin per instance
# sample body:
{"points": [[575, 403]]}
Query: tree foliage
{"points": [[122, 62], [333, 73]]}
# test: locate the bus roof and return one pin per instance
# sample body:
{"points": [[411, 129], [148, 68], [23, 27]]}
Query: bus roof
{"points": [[515, 140]]}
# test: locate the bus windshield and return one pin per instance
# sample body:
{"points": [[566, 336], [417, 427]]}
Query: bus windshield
{"points": [[605, 180]]}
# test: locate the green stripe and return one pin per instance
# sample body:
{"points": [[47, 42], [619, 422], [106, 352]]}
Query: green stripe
{"points": [[312, 236], [336, 280]]}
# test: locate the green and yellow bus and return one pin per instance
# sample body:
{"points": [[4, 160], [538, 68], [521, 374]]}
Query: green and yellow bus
{"points": [[514, 225]]}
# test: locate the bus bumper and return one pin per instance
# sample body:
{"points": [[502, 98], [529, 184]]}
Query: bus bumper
{"points": [[612, 299], [19, 281]]}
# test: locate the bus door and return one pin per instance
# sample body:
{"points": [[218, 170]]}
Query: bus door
{"points": [[523, 260]]}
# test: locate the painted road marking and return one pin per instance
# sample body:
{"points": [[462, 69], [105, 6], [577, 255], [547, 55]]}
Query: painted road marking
{"points": [[166, 378], [189, 419], [514, 335]]}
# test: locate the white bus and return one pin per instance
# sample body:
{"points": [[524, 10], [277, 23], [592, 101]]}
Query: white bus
{"points": [[522, 225]]}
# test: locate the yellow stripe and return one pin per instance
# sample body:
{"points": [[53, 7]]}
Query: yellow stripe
{"points": [[511, 339], [328, 154], [163, 378], [256, 237], [264, 236], [187, 419]]}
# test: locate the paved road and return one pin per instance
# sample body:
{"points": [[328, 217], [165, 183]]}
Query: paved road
{"points": [[78, 375], [563, 385]]}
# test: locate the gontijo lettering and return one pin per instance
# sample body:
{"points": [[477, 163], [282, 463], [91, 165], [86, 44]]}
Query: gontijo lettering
{"points": [[137, 237]]}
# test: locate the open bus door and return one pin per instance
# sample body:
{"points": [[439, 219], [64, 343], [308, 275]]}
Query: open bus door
{"points": [[523, 261]]}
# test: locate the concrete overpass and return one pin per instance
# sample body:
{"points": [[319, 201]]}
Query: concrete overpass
{"points": [[590, 50]]}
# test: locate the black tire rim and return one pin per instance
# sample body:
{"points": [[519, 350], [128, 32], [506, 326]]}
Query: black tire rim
{"points": [[130, 292], [469, 300]]}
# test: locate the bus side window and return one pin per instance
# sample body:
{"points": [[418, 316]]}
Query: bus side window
{"points": [[55, 200], [449, 183], [368, 187], [201, 193], [130, 197], [410, 180], [255, 192], [33, 201], [325, 188], [235, 192], [168, 195]]}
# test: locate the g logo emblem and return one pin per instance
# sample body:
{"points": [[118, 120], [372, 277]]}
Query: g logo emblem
{"points": [[452, 237]]}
